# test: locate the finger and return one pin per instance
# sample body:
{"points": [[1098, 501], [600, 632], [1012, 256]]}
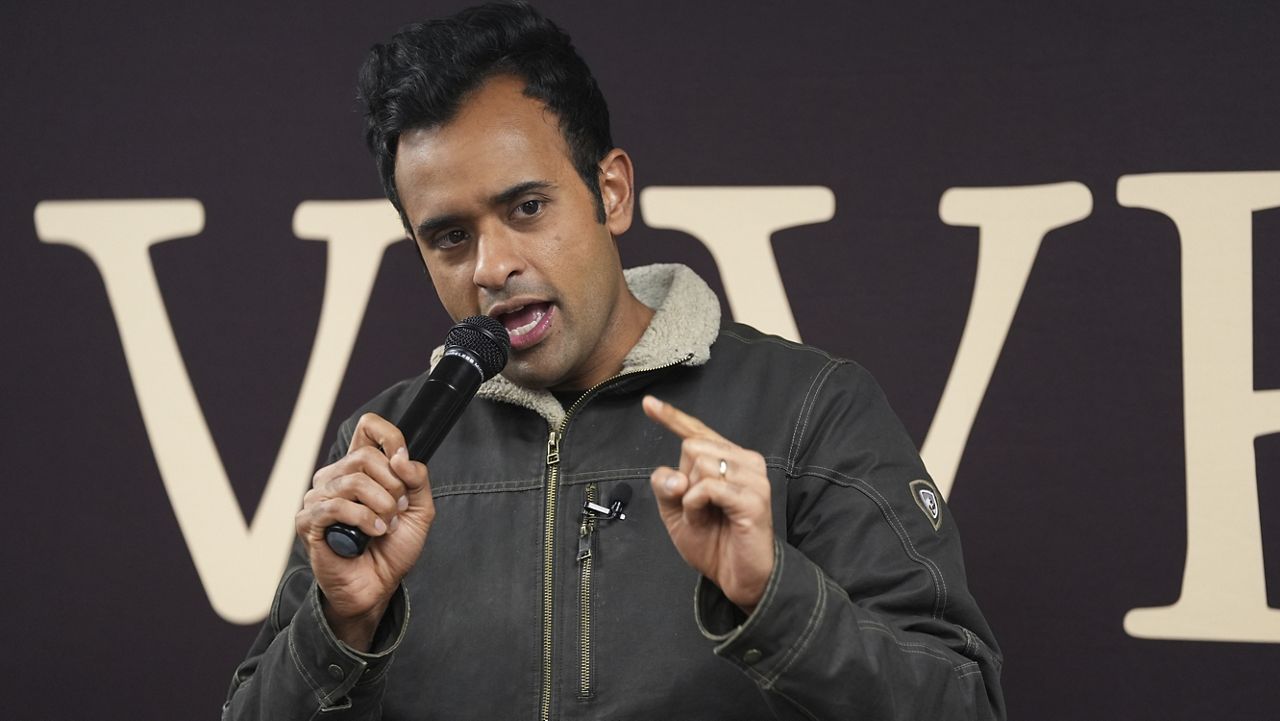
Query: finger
{"points": [[412, 473], [677, 421], [375, 431], [742, 466], [363, 489], [706, 467], [317, 516], [738, 504], [370, 461], [700, 457], [696, 506]]}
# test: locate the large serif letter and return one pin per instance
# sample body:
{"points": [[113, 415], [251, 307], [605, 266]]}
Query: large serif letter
{"points": [[1224, 594], [238, 564], [1012, 222]]}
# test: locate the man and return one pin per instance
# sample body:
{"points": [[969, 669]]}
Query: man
{"points": [[787, 504]]}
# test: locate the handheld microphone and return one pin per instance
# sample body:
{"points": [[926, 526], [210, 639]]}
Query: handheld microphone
{"points": [[475, 350]]}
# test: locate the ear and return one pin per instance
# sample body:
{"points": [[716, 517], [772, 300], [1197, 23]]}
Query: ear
{"points": [[617, 191]]}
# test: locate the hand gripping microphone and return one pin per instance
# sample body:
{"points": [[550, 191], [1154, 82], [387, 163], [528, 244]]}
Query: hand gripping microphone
{"points": [[474, 351]]}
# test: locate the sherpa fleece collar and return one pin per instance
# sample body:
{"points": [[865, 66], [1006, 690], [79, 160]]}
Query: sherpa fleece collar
{"points": [[685, 323]]}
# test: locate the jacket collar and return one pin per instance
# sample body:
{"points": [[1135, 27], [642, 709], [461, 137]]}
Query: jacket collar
{"points": [[685, 323]]}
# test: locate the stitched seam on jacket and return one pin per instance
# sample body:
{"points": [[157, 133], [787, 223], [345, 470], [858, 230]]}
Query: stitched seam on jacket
{"points": [[980, 648], [776, 341], [612, 474], [891, 517], [806, 634], [798, 440], [934, 570], [967, 672], [639, 474], [919, 649], [321, 697], [277, 624], [485, 488], [970, 647], [904, 644], [799, 706], [806, 409]]}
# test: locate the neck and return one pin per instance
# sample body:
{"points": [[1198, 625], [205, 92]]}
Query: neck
{"points": [[623, 330]]}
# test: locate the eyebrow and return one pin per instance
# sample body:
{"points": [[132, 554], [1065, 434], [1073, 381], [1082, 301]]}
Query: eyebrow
{"points": [[505, 197], [520, 189]]}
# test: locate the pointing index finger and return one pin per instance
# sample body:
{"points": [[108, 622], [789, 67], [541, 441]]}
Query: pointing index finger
{"points": [[677, 421]]}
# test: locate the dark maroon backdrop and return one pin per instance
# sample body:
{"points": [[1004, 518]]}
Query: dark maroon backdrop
{"points": [[1071, 491]]}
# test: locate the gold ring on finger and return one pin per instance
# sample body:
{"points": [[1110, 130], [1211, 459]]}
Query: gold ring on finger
{"points": [[724, 468]]}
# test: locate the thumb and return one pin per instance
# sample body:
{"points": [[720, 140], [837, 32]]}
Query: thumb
{"points": [[669, 487], [412, 473]]}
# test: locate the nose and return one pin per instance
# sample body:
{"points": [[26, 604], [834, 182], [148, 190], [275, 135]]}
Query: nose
{"points": [[498, 259]]}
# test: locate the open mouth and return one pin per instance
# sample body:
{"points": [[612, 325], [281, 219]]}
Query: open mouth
{"points": [[527, 324]]}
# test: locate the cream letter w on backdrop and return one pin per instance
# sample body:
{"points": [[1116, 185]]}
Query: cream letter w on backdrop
{"points": [[239, 564]]}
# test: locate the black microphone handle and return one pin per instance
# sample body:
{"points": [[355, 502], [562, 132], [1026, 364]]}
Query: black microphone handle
{"points": [[425, 423]]}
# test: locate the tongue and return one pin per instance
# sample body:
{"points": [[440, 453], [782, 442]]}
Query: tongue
{"points": [[516, 321]]}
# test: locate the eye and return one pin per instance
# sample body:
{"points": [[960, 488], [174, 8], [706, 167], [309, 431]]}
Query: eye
{"points": [[450, 238], [530, 208]]}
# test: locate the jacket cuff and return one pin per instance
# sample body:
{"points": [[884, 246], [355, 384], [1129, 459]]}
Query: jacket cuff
{"points": [[765, 643], [336, 672]]}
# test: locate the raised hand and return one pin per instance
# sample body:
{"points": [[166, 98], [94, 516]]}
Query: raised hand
{"points": [[716, 506]]}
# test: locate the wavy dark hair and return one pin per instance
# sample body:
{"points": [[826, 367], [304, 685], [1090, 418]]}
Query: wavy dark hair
{"points": [[420, 78]]}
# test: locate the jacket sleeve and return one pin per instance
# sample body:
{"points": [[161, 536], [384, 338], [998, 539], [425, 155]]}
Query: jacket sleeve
{"points": [[867, 614], [297, 668]]}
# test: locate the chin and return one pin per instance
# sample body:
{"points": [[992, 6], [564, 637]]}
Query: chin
{"points": [[528, 375], [540, 367]]}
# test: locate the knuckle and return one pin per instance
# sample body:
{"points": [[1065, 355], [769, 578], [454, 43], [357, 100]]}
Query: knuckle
{"points": [[365, 455], [694, 446], [383, 503], [337, 485]]}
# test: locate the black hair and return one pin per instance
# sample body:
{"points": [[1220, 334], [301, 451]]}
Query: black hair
{"points": [[420, 77]]}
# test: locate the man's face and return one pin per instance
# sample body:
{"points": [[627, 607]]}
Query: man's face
{"points": [[508, 229]]}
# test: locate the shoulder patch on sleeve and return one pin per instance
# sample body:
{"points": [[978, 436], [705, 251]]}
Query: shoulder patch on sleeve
{"points": [[927, 498]]}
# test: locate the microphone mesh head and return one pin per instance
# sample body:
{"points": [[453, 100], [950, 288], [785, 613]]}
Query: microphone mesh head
{"points": [[486, 340]]}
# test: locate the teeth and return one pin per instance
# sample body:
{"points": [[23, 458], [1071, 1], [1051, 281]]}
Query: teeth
{"points": [[527, 326]]}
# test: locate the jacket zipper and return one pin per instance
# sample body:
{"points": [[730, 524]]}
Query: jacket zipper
{"points": [[548, 566], [584, 597], [548, 553]]}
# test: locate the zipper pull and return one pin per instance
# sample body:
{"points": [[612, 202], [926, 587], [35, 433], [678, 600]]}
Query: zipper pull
{"points": [[584, 540], [553, 449]]}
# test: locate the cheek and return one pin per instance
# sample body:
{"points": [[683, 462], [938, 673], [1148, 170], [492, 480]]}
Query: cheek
{"points": [[453, 286]]}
